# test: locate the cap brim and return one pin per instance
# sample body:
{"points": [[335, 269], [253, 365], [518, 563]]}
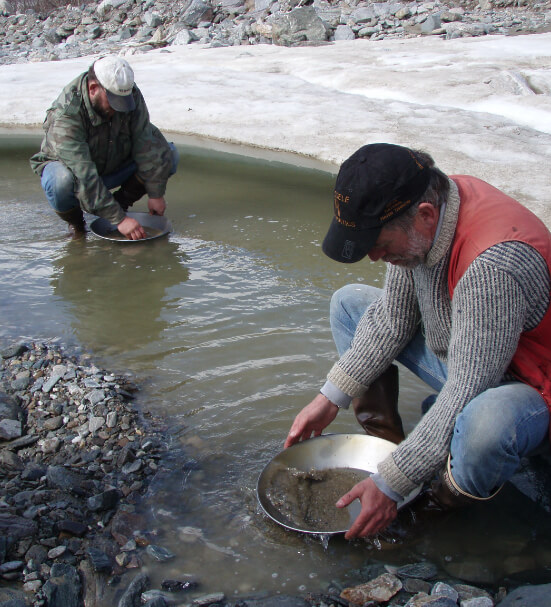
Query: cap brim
{"points": [[348, 245], [120, 103]]}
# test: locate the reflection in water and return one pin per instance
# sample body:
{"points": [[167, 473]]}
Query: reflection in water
{"points": [[116, 292]]}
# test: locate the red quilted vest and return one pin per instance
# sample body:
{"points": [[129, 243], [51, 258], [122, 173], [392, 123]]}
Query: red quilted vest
{"points": [[487, 217]]}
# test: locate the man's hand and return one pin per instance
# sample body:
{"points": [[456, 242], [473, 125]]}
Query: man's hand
{"points": [[314, 418], [130, 228], [156, 206], [377, 512]]}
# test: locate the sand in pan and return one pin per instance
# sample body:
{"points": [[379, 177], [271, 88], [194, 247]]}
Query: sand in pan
{"points": [[306, 500]]}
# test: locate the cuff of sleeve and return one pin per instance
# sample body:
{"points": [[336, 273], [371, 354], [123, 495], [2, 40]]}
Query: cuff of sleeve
{"points": [[113, 213], [155, 190], [384, 488], [335, 395], [394, 477]]}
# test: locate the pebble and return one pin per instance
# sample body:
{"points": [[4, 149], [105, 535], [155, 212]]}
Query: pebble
{"points": [[136, 27], [57, 505]]}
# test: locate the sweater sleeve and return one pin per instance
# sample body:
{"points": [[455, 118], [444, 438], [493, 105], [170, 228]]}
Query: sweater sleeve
{"points": [[385, 328], [490, 309]]}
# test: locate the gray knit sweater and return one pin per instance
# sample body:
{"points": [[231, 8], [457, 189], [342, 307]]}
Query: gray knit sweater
{"points": [[504, 292]]}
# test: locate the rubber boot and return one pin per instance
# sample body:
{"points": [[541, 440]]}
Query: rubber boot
{"points": [[75, 218], [444, 495], [377, 410], [130, 191], [447, 494]]}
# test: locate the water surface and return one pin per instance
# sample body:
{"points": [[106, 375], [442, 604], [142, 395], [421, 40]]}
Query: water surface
{"points": [[225, 325]]}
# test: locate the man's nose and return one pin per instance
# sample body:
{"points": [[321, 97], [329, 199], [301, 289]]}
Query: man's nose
{"points": [[375, 253]]}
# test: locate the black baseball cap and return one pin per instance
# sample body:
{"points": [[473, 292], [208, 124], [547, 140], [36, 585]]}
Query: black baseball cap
{"points": [[376, 184]]}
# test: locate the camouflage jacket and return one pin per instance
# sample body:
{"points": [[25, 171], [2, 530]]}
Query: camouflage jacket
{"points": [[92, 146]]}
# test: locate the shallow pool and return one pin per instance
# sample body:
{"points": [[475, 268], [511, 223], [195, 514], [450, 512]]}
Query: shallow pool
{"points": [[225, 326]]}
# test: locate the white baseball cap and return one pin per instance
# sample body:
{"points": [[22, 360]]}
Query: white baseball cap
{"points": [[117, 78]]}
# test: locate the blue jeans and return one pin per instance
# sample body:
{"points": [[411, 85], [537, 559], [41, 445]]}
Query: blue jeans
{"points": [[493, 431], [58, 182]]}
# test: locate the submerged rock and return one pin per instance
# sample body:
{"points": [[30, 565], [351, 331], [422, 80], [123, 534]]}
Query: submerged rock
{"points": [[381, 589]]}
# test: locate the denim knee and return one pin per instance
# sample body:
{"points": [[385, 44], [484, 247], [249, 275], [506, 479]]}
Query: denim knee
{"points": [[58, 183], [493, 432]]}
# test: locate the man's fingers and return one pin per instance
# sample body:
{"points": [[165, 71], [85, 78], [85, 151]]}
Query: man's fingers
{"points": [[348, 498], [362, 526], [291, 440]]}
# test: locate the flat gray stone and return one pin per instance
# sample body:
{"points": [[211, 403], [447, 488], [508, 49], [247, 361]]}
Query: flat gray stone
{"points": [[528, 596]]}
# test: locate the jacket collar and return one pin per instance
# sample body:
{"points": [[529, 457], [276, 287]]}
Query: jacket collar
{"points": [[444, 239]]}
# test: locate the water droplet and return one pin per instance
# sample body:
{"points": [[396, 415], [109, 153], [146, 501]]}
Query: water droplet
{"points": [[324, 539]]}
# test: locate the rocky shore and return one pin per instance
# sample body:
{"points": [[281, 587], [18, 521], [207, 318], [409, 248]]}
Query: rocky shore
{"points": [[137, 26], [76, 457]]}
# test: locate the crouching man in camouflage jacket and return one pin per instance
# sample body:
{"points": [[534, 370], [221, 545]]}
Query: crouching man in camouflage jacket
{"points": [[99, 137]]}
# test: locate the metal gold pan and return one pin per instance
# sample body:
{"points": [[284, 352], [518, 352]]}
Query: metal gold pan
{"points": [[155, 226], [358, 451]]}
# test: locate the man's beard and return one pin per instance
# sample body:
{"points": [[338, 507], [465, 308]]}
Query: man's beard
{"points": [[106, 114], [416, 254]]}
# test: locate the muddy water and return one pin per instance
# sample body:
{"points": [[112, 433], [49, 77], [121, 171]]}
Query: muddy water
{"points": [[225, 324]]}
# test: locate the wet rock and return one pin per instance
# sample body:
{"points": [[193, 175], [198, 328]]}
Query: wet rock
{"points": [[36, 555], [14, 349], [208, 599], [132, 595], [380, 589], [60, 478], [444, 590], [157, 598], [415, 585], [467, 592], [72, 527], [181, 585], [476, 571], [11, 566], [10, 462], [10, 429], [11, 598], [157, 601], [104, 501], [33, 472], [534, 596], [99, 560], [478, 602], [16, 527], [423, 571], [56, 552], [280, 601], [63, 588], [124, 524], [159, 553]]}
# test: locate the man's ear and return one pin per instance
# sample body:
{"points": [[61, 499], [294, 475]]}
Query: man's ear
{"points": [[93, 88], [428, 214]]}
